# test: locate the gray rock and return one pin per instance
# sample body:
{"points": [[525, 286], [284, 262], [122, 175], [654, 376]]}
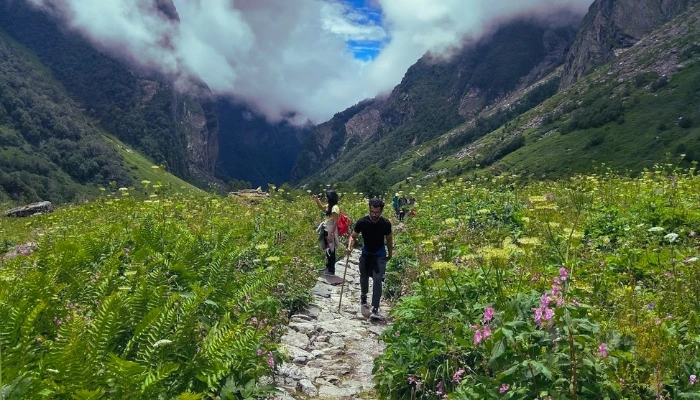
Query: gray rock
{"points": [[305, 386], [30, 209]]}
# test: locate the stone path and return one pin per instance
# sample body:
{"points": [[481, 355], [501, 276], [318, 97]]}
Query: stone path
{"points": [[332, 353]]}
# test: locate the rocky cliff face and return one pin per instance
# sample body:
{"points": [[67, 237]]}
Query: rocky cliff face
{"points": [[611, 25]]}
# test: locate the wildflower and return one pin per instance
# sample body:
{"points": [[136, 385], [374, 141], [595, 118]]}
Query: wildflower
{"points": [[576, 303], [548, 313], [693, 379], [504, 388], [656, 229], [651, 306], [487, 332], [544, 301], [457, 377], [488, 314], [671, 237], [690, 260], [270, 360], [563, 274], [691, 234], [478, 336], [411, 380], [603, 350], [538, 317], [439, 388]]}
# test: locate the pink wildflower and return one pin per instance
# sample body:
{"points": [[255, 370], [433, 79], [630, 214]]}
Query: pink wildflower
{"points": [[487, 331], [270, 360], [488, 314], [563, 274], [544, 300], [693, 379], [504, 388], [411, 380], [548, 313], [439, 388], [560, 301], [538, 316], [457, 377], [260, 352], [477, 337], [603, 350]]}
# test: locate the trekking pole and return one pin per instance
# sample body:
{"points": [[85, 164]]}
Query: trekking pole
{"points": [[342, 284]]}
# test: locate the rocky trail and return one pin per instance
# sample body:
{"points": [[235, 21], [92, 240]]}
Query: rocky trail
{"points": [[332, 353]]}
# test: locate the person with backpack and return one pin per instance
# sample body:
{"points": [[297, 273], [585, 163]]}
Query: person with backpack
{"points": [[374, 229], [329, 228]]}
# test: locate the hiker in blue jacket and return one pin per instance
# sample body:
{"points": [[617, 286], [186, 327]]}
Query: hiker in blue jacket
{"points": [[374, 229]]}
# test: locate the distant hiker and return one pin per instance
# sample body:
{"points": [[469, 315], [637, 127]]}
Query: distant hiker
{"points": [[328, 230], [395, 204], [374, 228]]}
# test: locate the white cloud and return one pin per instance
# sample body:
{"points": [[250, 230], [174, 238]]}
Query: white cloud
{"points": [[286, 56]]}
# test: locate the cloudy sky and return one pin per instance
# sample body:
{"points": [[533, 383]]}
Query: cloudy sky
{"points": [[303, 58]]}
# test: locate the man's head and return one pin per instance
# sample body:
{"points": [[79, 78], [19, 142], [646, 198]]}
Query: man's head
{"points": [[376, 206]]}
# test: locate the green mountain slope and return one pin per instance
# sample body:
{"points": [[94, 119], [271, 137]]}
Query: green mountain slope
{"points": [[631, 113], [434, 96], [177, 130], [49, 149]]}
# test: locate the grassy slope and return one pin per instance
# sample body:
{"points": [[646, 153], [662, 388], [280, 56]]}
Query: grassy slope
{"points": [[139, 167], [142, 169]]}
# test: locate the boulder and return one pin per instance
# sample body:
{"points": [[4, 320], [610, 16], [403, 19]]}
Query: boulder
{"points": [[30, 209]]}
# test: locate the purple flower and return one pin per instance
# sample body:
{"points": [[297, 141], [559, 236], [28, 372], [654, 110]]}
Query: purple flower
{"points": [[544, 300], [504, 388], [488, 314], [693, 379], [439, 389], [563, 274], [548, 313], [270, 360], [538, 316], [603, 350], [411, 380]]}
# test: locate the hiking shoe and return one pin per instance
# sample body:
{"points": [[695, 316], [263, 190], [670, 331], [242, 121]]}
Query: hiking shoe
{"points": [[376, 316], [364, 309]]}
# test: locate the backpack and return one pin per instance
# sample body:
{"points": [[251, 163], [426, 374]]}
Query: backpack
{"points": [[343, 224]]}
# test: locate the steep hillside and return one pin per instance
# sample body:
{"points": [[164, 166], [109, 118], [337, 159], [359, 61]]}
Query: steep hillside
{"points": [[49, 150], [613, 25], [434, 96], [640, 110], [177, 130]]}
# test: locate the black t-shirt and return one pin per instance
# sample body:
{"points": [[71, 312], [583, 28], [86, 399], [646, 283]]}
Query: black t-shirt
{"points": [[373, 233]]}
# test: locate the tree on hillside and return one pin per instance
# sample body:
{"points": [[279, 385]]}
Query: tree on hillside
{"points": [[372, 181]]}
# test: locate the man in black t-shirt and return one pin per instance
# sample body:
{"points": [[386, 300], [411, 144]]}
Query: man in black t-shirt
{"points": [[374, 228]]}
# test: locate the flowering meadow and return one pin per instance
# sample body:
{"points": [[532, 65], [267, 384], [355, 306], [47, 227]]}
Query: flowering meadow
{"points": [[141, 295], [585, 288]]}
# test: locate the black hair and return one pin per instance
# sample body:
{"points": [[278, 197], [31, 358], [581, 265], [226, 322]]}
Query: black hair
{"points": [[332, 198], [375, 202]]}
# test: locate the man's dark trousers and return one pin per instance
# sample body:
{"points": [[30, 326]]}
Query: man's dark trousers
{"points": [[374, 266]]}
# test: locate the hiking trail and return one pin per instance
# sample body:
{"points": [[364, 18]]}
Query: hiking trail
{"points": [[332, 354]]}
